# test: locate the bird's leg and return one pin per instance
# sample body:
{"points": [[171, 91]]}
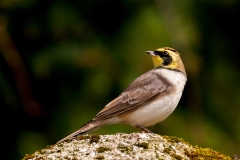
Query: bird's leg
{"points": [[144, 129]]}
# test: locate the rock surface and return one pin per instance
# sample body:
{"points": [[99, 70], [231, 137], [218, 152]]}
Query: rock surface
{"points": [[125, 147]]}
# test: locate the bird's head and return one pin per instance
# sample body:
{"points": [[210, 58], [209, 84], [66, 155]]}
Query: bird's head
{"points": [[167, 57]]}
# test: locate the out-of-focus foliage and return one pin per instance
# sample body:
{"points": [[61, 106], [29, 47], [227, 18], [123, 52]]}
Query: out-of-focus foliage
{"points": [[62, 61]]}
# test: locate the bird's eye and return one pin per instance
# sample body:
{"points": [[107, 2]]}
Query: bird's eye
{"points": [[165, 53], [161, 53]]}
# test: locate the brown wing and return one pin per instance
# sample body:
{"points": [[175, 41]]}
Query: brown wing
{"points": [[146, 87]]}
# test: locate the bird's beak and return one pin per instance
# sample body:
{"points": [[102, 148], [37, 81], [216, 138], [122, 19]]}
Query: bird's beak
{"points": [[151, 53]]}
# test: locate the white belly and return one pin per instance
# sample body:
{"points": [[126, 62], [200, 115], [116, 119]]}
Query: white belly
{"points": [[161, 108]]}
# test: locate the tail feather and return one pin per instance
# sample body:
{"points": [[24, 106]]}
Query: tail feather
{"points": [[84, 129]]}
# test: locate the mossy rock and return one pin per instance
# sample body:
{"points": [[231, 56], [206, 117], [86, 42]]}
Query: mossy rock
{"points": [[126, 146]]}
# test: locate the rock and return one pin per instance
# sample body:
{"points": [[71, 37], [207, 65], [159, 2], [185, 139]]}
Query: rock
{"points": [[125, 147]]}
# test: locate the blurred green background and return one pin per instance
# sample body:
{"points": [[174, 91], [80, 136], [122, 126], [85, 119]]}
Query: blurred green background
{"points": [[61, 61]]}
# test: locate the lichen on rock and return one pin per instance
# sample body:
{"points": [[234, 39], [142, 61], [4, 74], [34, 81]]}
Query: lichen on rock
{"points": [[125, 146]]}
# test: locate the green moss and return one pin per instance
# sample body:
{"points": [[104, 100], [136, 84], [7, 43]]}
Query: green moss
{"points": [[205, 153], [167, 150], [95, 138], [50, 146], [102, 149], [196, 152], [176, 156], [99, 157], [83, 137], [173, 155], [28, 157], [144, 145], [158, 157], [174, 139], [187, 152], [42, 151], [67, 140], [124, 148]]}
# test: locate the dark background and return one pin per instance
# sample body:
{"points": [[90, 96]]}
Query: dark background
{"points": [[62, 61]]}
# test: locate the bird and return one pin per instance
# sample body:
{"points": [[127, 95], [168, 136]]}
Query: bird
{"points": [[149, 99]]}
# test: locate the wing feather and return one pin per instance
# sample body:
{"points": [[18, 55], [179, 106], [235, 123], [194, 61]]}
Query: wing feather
{"points": [[143, 89]]}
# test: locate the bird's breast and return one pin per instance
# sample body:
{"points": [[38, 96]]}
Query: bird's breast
{"points": [[162, 106]]}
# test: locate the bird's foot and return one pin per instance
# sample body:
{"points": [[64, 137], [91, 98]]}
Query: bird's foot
{"points": [[144, 130]]}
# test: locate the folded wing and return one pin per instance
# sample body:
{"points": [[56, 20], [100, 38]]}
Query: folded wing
{"points": [[143, 89]]}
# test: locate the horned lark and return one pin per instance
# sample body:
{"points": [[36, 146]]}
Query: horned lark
{"points": [[149, 99]]}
